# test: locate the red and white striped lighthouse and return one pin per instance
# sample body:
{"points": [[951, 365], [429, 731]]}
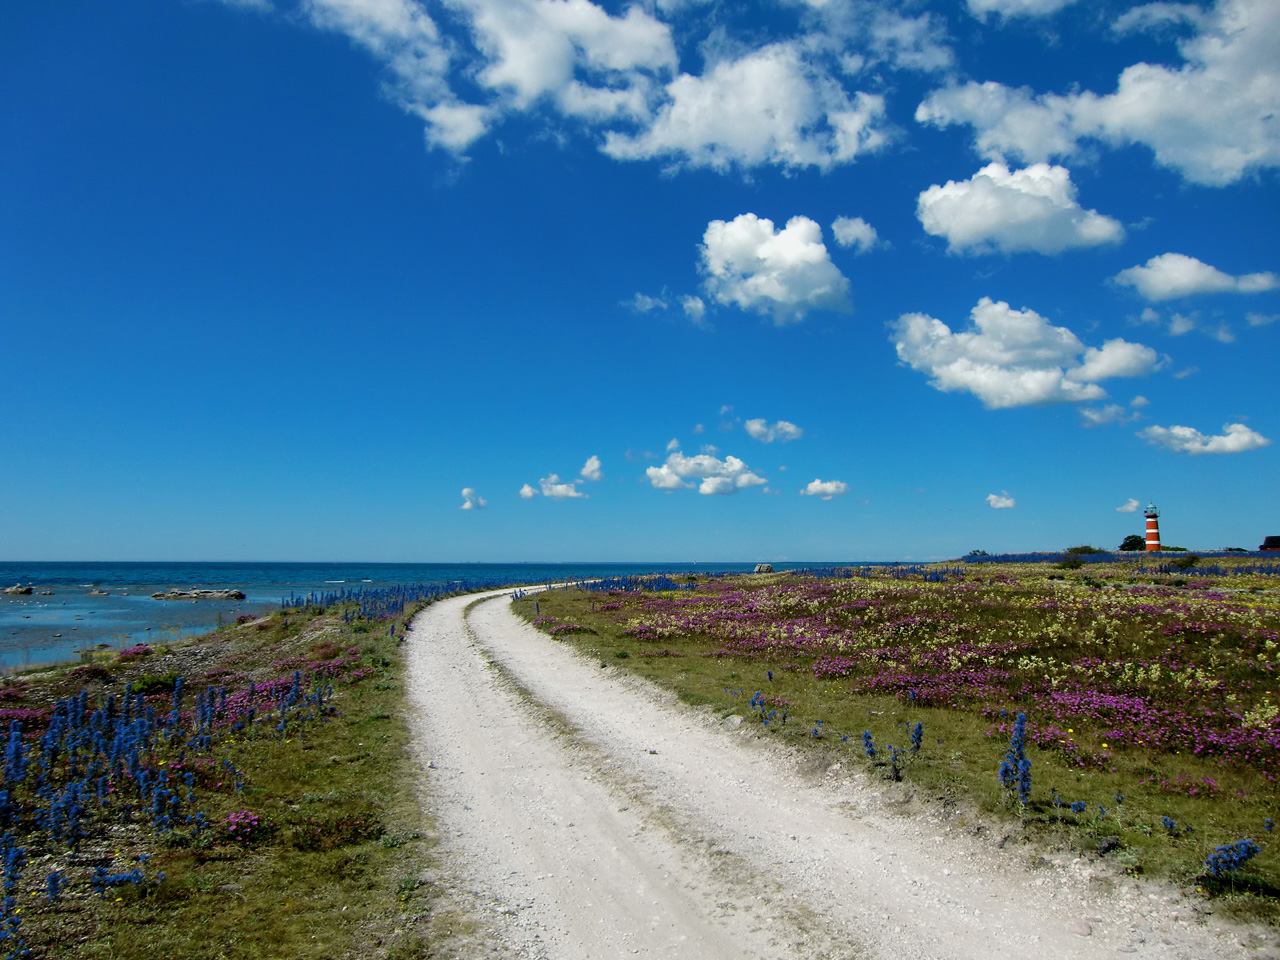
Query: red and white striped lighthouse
{"points": [[1153, 527]]}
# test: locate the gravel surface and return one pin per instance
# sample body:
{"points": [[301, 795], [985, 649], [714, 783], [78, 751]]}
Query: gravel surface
{"points": [[586, 814]]}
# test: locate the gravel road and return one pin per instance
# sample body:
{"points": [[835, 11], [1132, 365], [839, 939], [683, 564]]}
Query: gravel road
{"points": [[586, 814]]}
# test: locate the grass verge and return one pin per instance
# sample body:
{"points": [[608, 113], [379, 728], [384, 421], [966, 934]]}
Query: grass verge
{"points": [[248, 794], [1151, 730]]}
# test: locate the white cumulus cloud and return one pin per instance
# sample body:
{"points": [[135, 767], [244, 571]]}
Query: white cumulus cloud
{"points": [[1129, 506], [472, 500], [1115, 358], [1212, 118], [785, 273], [1001, 501], [856, 233], [527, 492], [643, 303], [1235, 438], [1014, 358], [1016, 8], [694, 309], [569, 56], [1157, 16], [1173, 275], [1109, 413], [403, 37], [711, 475], [571, 52], [866, 37], [554, 488], [1034, 209], [591, 469], [767, 432], [769, 106], [825, 489]]}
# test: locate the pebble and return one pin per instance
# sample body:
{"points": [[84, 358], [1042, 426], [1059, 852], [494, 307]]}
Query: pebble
{"points": [[1081, 928]]}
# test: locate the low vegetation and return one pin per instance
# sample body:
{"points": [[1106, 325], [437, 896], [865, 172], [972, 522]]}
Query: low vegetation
{"points": [[1128, 709], [246, 794]]}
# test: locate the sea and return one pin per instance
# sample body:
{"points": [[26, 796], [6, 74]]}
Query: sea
{"points": [[77, 607]]}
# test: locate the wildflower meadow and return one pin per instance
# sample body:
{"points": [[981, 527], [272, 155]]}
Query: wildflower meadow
{"points": [[1127, 707], [244, 794]]}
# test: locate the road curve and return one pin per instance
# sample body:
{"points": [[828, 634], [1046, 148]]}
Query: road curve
{"points": [[585, 814]]}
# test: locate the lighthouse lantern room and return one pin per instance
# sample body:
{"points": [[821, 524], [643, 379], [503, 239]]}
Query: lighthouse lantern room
{"points": [[1153, 527]]}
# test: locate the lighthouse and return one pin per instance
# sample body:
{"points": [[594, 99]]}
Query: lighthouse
{"points": [[1153, 527]]}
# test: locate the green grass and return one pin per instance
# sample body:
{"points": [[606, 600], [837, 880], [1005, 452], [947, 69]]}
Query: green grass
{"points": [[337, 871], [958, 775]]}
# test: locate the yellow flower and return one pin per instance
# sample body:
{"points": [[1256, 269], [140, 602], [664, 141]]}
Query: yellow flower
{"points": [[1104, 746]]}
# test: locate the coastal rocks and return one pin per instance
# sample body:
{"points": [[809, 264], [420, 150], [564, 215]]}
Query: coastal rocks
{"points": [[99, 593], [17, 589], [197, 594], [764, 568]]}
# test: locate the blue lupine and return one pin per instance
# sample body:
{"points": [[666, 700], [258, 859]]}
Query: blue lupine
{"points": [[894, 755], [101, 880], [15, 858], [15, 761], [1230, 857], [1015, 770], [917, 737], [868, 744]]}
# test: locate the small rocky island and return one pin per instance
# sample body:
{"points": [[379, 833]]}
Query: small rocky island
{"points": [[197, 594], [17, 590]]}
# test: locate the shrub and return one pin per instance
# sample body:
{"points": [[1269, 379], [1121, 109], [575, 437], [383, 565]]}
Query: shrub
{"points": [[136, 652], [151, 683]]}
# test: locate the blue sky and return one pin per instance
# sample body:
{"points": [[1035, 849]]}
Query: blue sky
{"points": [[665, 281]]}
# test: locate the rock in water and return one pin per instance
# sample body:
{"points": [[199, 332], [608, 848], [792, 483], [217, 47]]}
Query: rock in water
{"points": [[764, 568], [17, 589], [195, 594]]}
